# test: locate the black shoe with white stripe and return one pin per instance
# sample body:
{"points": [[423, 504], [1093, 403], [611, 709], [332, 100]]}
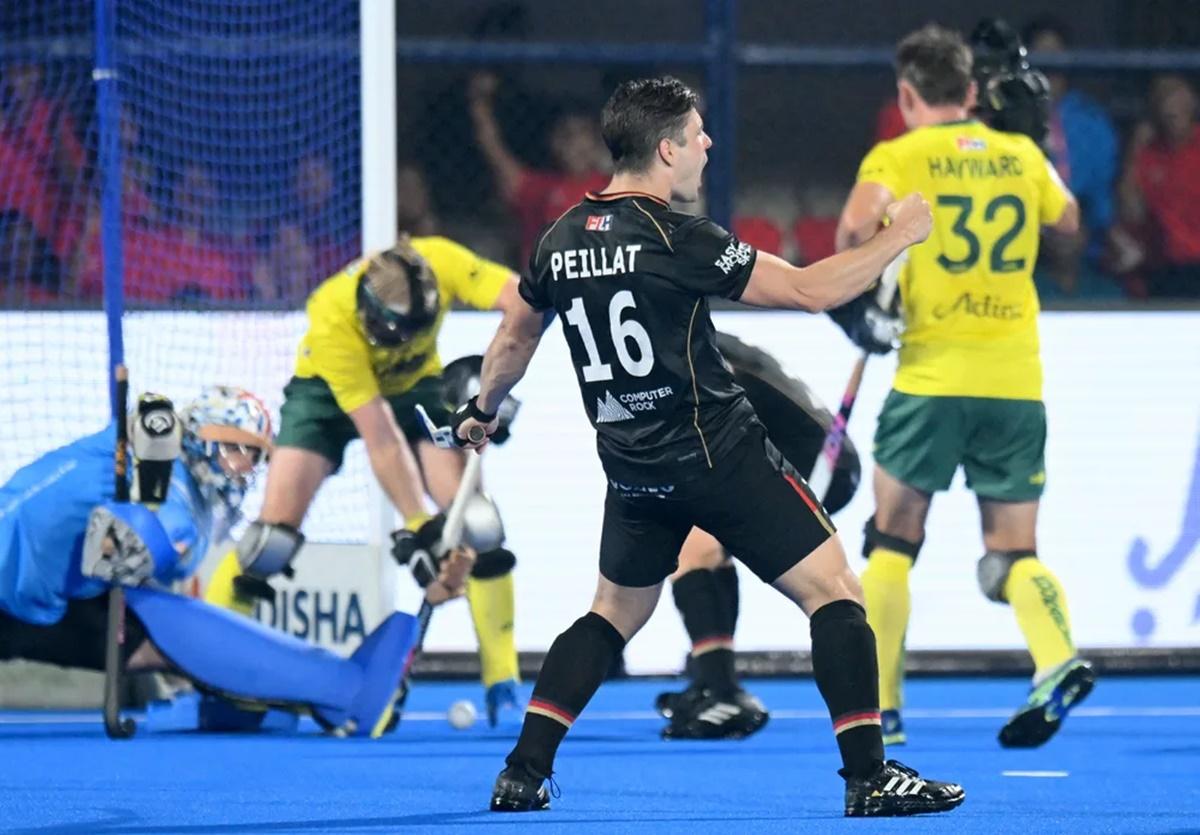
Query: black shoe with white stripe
{"points": [[519, 788], [896, 790], [703, 714]]}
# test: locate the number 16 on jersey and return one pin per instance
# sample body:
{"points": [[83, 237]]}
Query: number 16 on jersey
{"points": [[622, 333]]}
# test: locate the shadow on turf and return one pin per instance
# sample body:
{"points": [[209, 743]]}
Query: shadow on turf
{"points": [[123, 823], [48, 733], [715, 750]]}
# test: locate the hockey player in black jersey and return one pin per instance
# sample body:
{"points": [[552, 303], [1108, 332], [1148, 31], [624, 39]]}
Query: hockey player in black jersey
{"points": [[705, 586], [679, 442]]}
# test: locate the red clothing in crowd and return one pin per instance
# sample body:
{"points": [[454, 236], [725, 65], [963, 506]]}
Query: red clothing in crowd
{"points": [[43, 124], [1169, 179], [23, 188], [29, 177], [542, 197], [889, 122], [161, 264]]}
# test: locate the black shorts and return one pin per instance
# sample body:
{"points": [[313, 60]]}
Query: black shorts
{"points": [[77, 640], [753, 501]]}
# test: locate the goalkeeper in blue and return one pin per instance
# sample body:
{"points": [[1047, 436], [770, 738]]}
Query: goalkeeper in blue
{"points": [[64, 539]]}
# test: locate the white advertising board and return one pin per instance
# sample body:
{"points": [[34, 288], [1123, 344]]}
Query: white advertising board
{"points": [[1120, 519]]}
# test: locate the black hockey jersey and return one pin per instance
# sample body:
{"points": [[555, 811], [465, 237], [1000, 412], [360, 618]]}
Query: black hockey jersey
{"points": [[631, 279]]}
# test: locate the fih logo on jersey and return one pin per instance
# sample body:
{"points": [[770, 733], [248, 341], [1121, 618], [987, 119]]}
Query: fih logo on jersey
{"points": [[598, 223], [736, 254], [971, 143]]}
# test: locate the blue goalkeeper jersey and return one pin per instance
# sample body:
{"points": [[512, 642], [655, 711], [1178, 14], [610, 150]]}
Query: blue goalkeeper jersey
{"points": [[44, 510]]}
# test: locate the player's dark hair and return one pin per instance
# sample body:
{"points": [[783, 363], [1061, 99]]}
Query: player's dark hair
{"points": [[937, 62], [640, 114]]}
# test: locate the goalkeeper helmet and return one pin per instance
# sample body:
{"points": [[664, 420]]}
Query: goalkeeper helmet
{"points": [[397, 295], [226, 436], [1013, 96]]}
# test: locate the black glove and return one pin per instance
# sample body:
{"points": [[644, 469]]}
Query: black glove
{"points": [[416, 549], [250, 589], [470, 409], [868, 325]]}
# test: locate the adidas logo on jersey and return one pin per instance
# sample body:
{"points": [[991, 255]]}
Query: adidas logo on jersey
{"points": [[609, 410]]}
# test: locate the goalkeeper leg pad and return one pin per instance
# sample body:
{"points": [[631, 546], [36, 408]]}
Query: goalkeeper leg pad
{"points": [[194, 711], [231, 655]]}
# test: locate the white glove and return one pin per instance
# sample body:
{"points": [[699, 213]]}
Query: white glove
{"points": [[884, 327], [156, 439], [114, 552]]}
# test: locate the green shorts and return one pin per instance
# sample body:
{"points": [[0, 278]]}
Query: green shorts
{"points": [[311, 419], [1001, 444]]}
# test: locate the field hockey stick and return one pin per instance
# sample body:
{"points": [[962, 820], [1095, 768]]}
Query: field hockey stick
{"points": [[821, 476]]}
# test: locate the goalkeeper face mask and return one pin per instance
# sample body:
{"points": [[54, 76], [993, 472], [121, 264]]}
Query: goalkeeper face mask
{"points": [[227, 435], [397, 296]]}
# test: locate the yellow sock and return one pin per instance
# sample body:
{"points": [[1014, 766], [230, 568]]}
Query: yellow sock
{"points": [[885, 587], [492, 611], [1040, 605], [220, 591]]}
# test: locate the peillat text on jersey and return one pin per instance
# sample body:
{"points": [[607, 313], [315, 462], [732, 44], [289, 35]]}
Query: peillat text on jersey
{"points": [[594, 263]]}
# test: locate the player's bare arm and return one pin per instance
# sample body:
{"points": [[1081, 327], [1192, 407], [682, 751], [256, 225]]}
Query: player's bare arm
{"points": [[392, 461], [839, 278], [1068, 222], [481, 95], [505, 362], [862, 214], [509, 353], [509, 298]]}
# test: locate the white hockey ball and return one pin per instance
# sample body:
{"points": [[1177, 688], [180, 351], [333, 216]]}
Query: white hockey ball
{"points": [[462, 714]]}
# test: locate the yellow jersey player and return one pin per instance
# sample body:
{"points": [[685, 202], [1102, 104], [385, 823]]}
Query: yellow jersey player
{"points": [[368, 359], [969, 386]]}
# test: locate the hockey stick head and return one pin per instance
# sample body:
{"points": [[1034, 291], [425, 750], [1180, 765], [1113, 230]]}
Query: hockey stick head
{"points": [[442, 436]]}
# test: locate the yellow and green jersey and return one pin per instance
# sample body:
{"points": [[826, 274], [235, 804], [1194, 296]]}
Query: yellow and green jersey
{"points": [[335, 348], [970, 305]]}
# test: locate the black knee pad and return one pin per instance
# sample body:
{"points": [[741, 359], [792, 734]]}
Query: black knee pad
{"points": [[873, 537], [494, 563], [992, 571]]}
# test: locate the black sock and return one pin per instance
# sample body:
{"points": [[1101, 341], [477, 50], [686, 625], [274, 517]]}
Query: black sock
{"points": [[706, 618], [847, 674], [572, 672], [727, 583]]}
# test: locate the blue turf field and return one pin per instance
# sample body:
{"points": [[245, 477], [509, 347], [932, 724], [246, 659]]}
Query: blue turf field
{"points": [[1128, 761]]}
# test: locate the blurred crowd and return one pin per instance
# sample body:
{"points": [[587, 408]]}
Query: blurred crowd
{"points": [[184, 242], [181, 239], [1140, 199]]}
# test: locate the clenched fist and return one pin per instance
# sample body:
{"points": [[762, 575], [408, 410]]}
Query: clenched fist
{"points": [[911, 218]]}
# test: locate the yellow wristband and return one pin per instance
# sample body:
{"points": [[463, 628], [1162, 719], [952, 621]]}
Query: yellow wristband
{"points": [[414, 523]]}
